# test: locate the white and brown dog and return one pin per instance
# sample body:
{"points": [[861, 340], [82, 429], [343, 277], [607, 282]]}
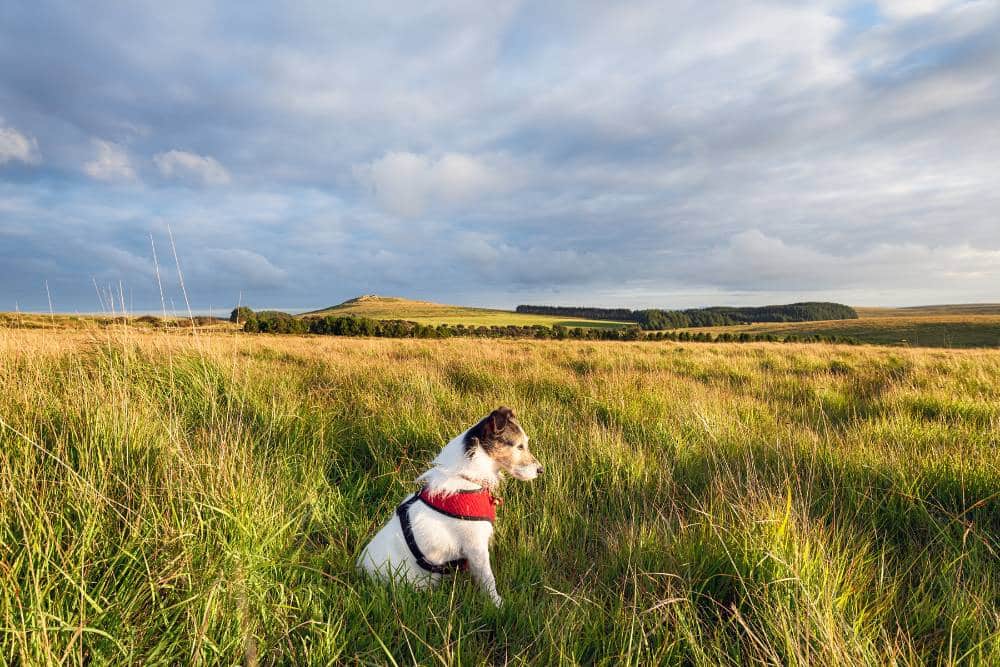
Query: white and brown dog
{"points": [[449, 522]]}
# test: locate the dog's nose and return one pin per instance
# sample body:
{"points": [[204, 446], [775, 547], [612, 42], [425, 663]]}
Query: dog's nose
{"points": [[540, 470]]}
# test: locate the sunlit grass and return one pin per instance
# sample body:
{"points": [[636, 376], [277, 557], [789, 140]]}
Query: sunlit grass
{"points": [[920, 330], [172, 499]]}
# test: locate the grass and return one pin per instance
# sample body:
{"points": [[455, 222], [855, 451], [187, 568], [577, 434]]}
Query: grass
{"points": [[425, 312], [956, 331], [174, 499], [924, 311], [67, 322]]}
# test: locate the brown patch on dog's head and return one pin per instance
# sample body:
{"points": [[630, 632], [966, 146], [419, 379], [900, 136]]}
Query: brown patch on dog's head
{"points": [[500, 435]]}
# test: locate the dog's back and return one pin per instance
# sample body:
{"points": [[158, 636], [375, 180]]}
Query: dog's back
{"points": [[440, 538]]}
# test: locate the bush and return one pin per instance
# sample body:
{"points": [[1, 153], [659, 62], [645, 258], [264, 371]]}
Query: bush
{"points": [[274, 321], [240, 314]]}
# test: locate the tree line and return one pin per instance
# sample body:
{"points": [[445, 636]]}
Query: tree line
{"points": [[657, 318], [277, 322]]}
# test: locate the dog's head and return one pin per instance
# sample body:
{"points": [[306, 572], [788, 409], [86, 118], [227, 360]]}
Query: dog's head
{"points": [[503, 440]]}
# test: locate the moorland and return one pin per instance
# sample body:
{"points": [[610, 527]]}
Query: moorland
{"points": [[184, 495]]}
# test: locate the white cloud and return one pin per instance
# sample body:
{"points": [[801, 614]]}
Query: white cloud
{"points": [[16, 146], [111, 164], [407, 184], [904, 9], [185, 165]]}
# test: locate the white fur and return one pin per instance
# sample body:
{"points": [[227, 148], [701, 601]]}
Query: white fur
{"points": [[441, 538]]}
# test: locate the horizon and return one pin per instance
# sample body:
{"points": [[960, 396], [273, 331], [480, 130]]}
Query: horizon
{"points": [[653, 155], [224, 311]]}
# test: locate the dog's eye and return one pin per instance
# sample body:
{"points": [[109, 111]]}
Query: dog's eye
{"points": [[520, 446]]}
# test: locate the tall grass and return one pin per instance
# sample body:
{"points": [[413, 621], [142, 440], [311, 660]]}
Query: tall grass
{"points": [[167, 503]]}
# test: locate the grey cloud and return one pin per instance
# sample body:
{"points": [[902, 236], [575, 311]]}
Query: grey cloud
{"points": [[754, 260], [238, 267], [648, 153]]}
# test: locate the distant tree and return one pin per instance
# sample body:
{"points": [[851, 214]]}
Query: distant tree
{"points": [[240, 314], [274, 321], [657, 318]]}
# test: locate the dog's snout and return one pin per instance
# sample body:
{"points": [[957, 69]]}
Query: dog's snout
{"points": [[540, 470]]}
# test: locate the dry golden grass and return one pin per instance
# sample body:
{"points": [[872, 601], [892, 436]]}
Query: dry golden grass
{"points": [[934, 311], [64, 322]]}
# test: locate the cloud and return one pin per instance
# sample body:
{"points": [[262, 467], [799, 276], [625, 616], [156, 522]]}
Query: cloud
{"points": [[184, 165], [904, 9], [15, 146], [407, 184], [641, 153], [754, 260], [112, 163], [241, 268], [494, 259]]}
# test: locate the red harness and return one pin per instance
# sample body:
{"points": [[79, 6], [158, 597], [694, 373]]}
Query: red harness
{"points": [[474, 505]]}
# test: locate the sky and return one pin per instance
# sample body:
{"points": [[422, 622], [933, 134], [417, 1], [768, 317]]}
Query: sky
{"points": [[662, 154]]}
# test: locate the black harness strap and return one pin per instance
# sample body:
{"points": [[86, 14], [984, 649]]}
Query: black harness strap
{"points": [[404, 521]]}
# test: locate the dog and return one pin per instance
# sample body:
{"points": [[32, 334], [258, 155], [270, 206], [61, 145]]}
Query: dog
{"points": [[448, 524]]}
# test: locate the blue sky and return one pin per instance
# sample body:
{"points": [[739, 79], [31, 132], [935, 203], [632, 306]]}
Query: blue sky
{"points": [[664, 154]]}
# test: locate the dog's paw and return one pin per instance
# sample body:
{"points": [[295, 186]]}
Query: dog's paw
{"points": [[497, 601]]}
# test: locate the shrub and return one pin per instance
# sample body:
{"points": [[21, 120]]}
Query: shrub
{"points": [[240, 314]]}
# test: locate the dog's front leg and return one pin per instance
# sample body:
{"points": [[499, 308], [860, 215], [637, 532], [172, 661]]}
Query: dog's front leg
{"points": [[479, 565]]}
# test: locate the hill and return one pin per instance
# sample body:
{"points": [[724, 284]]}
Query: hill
{"points": [[427, 312]]}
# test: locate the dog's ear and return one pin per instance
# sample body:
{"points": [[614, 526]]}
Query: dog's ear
{"points": [[499, 418], [470, 446]]}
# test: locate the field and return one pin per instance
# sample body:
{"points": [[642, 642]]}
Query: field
{"points": [[954, 331], [930, 311], [173, 499], [949, 326], [426, 312], [93, 323]]}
